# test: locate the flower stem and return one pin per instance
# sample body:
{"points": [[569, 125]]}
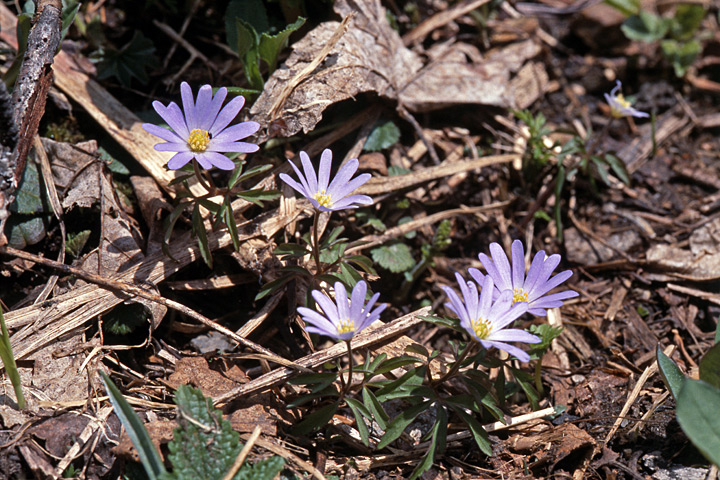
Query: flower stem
{"points": [[538, 380], [201, 178], [316, 243], [346, 385], [456, 366]]}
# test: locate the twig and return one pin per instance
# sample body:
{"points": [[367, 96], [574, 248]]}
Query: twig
{"points": [[377, 332], [295, 81], [243, 453], [440, 19], [132, 290]]}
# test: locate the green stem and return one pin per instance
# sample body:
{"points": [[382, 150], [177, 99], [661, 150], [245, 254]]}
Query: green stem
{"points": [[201, 178], [346, 385], [538, 380], [316, 243], [456, 366]]}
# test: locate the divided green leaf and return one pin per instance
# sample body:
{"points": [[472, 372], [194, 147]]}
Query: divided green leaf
{"points": [[383, 136], [397, 257]]}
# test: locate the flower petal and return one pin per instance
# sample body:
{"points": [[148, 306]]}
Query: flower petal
{"points": [[219, 160], [310, 175], [179, 160], [227, 115], [174, 117], [164, 133], [518, 264], [236, 132], [188, 106], [324, 170]]}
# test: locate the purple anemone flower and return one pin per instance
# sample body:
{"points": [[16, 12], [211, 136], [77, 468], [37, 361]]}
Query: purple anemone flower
{"points": [[202, 132], [530, 289], [619, 107], [486, 320], [326, 195], [343, 318]]}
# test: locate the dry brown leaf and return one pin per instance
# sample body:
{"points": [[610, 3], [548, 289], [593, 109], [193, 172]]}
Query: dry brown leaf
{"points": [[700, 263], [371, 57]]}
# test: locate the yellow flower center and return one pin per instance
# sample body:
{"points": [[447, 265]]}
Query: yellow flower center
{"points": [[198, 140], [481, 327], [620, 100], [323, 198], [520, 295], [346, 326]]}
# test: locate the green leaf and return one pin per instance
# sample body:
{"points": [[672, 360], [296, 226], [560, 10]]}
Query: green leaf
{"points": [[687, 21], [618, 166], [8, 360], [252, 12], [250, 174], [70, 9], [76, 242], [478, 432], [547, 334], [271, 45], [437, 445], [290, 250], [670, 373], [372, 404], [125, 318], [400, 423], [383, 136], [25, 230], [318, 419], [717, 331], [273, 286], [645, 27], [229, 220], [525, 380], [266, 469], [361, 261], [697, 414], [626, 7], [710, 366], [681, 54], [397, 257], [258, 196], [149, 456], [204, 445], [129, 62], [201, 235], [359, 411]]}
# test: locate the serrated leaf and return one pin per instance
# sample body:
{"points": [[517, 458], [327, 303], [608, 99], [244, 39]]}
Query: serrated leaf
{"points": [[253, 12], [383, 136], [670, 373], [645, 27], [710, 366], [131, 61], [687, 21], [149, 456], [263, 470], [204, 445], [271, 45], [697, 415], [76, 242], [397, 257], [125, 318]]}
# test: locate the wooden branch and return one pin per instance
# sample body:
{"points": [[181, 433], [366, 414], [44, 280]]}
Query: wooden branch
{"points": [[381, 332]]}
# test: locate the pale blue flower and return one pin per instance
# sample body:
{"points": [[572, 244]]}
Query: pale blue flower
{"points": [[530, 289], [342, 318], [202, 132], [485, 320], [326, 195], [619, 107]]}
